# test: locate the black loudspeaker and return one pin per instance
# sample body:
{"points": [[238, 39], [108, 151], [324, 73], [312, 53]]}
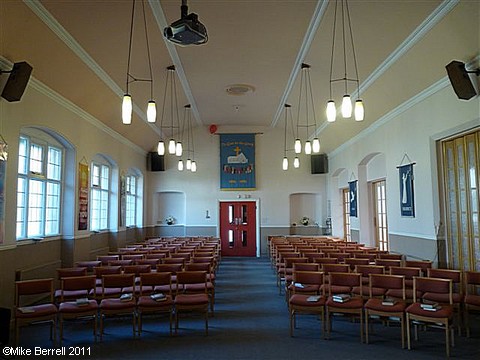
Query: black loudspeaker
{"points": [[155, 162], [17, 81], [5, 314], [319, 164], [460, 80]]}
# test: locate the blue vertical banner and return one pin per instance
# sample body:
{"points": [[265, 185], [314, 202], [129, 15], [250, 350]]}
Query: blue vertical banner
{"points": [[352, 185], [237, 162], [407, 204]]}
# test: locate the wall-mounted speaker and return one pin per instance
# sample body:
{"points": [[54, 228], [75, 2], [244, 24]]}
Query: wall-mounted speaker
{"points": [[319, 164], [155, 162], [460, 80], [17, 81]]}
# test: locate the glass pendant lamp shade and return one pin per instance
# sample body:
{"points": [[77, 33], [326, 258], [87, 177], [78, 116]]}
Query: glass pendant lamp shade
{"points": [[316, 145], [298, 146], [308, 147], [194, 166], [359, 110], [180, 165], [172, 147], [346, 107], [285, 163], [331, 111], [127, 109], [296, 162], [178, 149], [188, 164], [161, 148], [151, 112]]}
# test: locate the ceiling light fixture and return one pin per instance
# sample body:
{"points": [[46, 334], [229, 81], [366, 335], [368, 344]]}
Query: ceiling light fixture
{"points": [[172, 125], [189, 150], [346, 108], [306, 118], [127, 105]]}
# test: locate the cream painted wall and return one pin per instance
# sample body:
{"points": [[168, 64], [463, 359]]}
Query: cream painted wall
{"points": [[413, 132], [274, 185], [43, 108]]}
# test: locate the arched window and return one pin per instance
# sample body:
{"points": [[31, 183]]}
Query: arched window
{"points": [[40, 185], [100, 190]]}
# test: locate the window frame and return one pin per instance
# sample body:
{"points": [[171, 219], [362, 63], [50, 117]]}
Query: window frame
{"points": [[104, 195], [47, 212]]}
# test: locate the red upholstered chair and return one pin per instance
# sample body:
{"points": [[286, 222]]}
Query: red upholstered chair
{"points": [[123, 304], [366, 270], [385, 307], [409, 273], [69, 272], [422, 264], [32, 290], [83, 307], [353, 306], [307, 297], [388, 263], [442, 316], [199, 287], [457, 292], [472, 295], [196, 302], [150, 301]]}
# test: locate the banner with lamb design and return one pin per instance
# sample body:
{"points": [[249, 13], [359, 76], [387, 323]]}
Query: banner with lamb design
{"points": [[237, 161]]}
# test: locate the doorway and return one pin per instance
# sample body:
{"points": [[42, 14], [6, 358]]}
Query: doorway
{"points": [[238, 228], [380, 218]]}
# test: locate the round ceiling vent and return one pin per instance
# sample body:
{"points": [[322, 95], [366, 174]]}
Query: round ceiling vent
{"points": [[239, 89]]}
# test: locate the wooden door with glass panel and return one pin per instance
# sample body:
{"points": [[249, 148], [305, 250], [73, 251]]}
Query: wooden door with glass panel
{"points": [[238, 228]]}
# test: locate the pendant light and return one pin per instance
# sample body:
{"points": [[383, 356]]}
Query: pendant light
{"points": [[346, 35], [127, 104], [170, 122]]}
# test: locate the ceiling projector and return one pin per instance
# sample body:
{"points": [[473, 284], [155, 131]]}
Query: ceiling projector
{"points": [[186, 31]]}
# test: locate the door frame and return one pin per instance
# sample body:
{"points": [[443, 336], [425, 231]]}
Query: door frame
{"points": [[257, 219]]}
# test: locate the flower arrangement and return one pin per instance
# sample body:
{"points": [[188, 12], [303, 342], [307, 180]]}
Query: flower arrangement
{"points": [[170, 220], [305, 220]]}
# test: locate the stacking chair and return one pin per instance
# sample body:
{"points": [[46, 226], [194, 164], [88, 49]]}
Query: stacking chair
{"points": [[83, 307], [390, 256], [388, 263], [353, 306], [331, 268], [422, 264], [89, 264], [308, 297], [353, 262], [472, 295], [104, 259], [150, 301], [408, 273], [68, 272], [199, 287], [186, 302], [366, 270], [457, 292], [110, 306], [40, 313], [99, 273], [440, 316], [383, 306]]}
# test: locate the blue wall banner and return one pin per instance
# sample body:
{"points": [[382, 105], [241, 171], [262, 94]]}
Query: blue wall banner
{"points": [[407, 204], [237, 162], [353, 197]]}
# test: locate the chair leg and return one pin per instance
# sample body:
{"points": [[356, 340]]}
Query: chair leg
{"points": [[139, 323], [292, 319], [366, 326], [206, 322], [408, 332], [101, 326], [402, 329], [361, 326], [61, 329], [467, 325], [447, 339]]}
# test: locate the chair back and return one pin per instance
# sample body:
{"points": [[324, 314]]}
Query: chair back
{"points": [[305, 267], [137, 269], [350, 280], [326, 260], [155, 279], [132, 256], [106, 258], [390, 256], [388, 263], [69, 272], [330, 268], [118, 281], [309, 278], [172, 268], [78, 283], [106, 270], [422, 264], [33, 287], [387, 282], [355, 261], [423, 285]]}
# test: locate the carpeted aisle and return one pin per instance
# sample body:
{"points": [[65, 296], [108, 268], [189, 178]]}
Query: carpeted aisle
{"points": [[251, 322]]}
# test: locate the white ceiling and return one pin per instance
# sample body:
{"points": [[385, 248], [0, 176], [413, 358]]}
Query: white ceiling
{"points": [[402, 48]]}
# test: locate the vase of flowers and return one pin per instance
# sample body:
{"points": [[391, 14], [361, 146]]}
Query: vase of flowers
{"points": [[170, 220], [305, 221]]}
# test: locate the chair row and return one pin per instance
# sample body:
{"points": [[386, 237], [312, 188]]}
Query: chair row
{"points": [[119, 295], [432, 303]]}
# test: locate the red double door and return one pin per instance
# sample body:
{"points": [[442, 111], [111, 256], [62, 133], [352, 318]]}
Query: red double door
{"points": [[238, 228]]}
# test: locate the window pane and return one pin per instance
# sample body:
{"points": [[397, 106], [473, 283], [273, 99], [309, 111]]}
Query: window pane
{"points": [[52, 216], [36, 159], [54, 164], [95, 175], [105, 177], [35, 208], [22, 156], [21, 206]]}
